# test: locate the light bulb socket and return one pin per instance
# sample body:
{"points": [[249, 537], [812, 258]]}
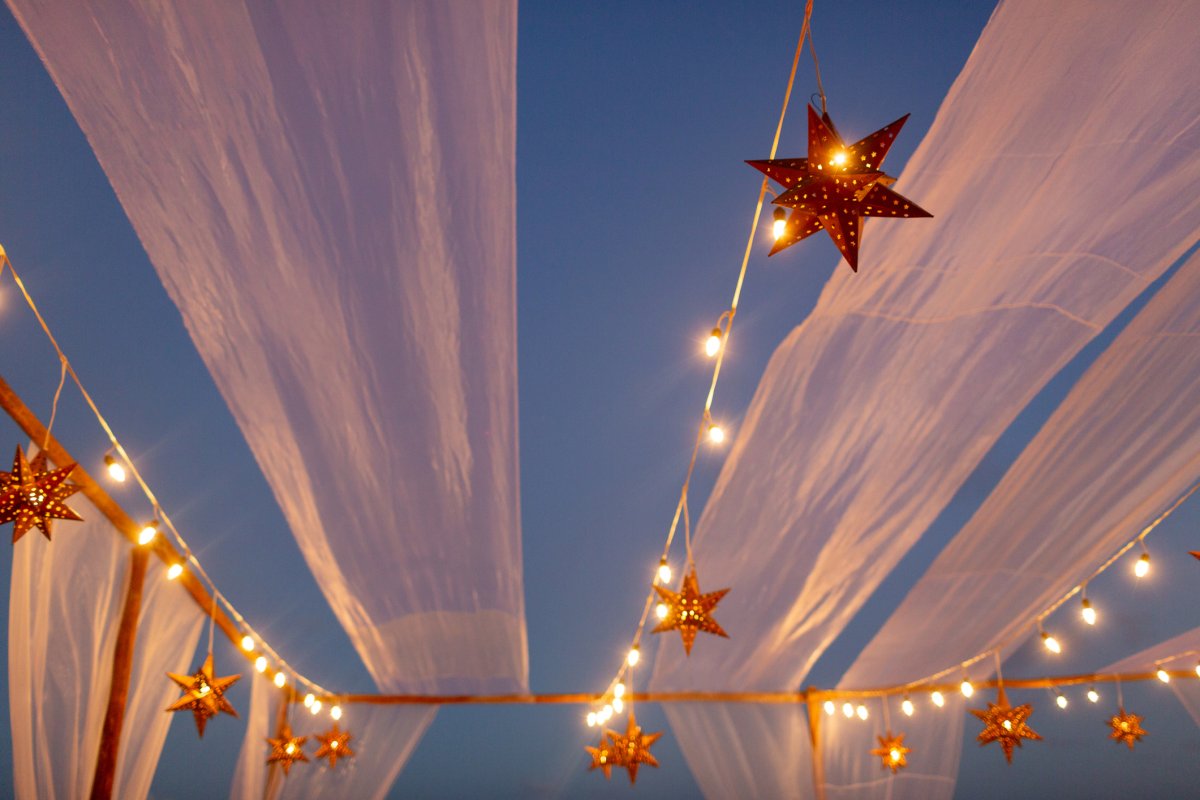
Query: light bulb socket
{"points": [[780, 215]]}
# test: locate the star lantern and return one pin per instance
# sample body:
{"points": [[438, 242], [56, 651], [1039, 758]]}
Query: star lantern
{"points": [[633, 748], [604, 756], [335, 744], [1005, 724], [836, 186], [203, 694], [286, 749], [689, 611], [32, 495], [1126, 728], [893, 752]]}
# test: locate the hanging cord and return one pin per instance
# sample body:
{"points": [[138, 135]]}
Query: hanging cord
{"points": [[812, 49], [999, 673], [1120, 696], [212, 620], [62, 379], [887, 720]]}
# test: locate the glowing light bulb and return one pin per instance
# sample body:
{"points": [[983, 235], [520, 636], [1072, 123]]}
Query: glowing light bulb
{"points": [[174, 571], [716, 434], [1061, 700], [619, 690], [1198, 670], [336, 712], [260, 664], [862, 712], [894, 755], [907, 707], [316, 707], [618, 705], [116, 470], [1093, 696], [591, 719], [309, 699], [966, 688], [333, 745], [1051, 643], [712, 345], [280, 679], [148, 533], [839, 159], [1163, 675], [664, 572], [938, 699], [633, 657], [661, 611], [847, 710], [830, 708], [248, 643], [606, 712], [1142, 567], [1007, 724], [291, 748], [1088, 613], [779, 225]]}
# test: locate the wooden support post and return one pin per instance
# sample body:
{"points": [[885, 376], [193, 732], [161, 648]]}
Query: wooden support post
{"points": [[114, 717], [813, 704]]}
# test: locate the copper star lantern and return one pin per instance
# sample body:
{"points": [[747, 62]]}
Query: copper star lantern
{"points": [[1005, 724], [286, 749], [33, 495], [633, 748], [1126, 728], [203, 694], [892, 751], [689, 611], [335, 744]]}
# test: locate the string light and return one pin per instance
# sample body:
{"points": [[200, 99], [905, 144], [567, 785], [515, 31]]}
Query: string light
{"points": [[619, 690], [1093, 695], [848, 710], [966, 688], [174, 571], [260, 664], [1061, 700], [716, 434], [862, 712], [1198, 669], [661, 611], [309, 699], [1163, 675], [1051, 643], [280, 679], [907, 707], [1088, 613], [633, 657], [248, 643], [938, 699], [336, 712], [712, 345], [115, 469], [315, 708], [664, 571], [1142, 567], [830, 708], [591, 719], [618, 705], [148, 533], [779, 223]]}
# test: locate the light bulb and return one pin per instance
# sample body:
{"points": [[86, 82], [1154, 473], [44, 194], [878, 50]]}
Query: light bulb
{"points": [[633, 657], [779, 225], [174, 571], [280, 679], [716, 434], [618, 705], [712, 345], [848, 710], [1093, 695], [316, 707], [607, 711], [664, 572], [260, 664], [937, 699], [1198, 670], [309, 699], [248, 643], [333, 745], [907, 707], [830, 708], [839, 159], [1142, 567], [148, 533], [290, 748], [1051, 643], [116, 470], [1088, 613], [1061, 700], [336, 712], [894, 755], [661, 611], [1007, 724], [619, 690], [861, 711], [1162, 675], [591, 719], [966, 688]]}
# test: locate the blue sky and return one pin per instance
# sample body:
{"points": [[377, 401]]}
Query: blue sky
{"points": [[633, 206]]}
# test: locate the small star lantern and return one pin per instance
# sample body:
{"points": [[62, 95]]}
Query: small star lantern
{"points": [[1005, 724], [689, 611], [1126, 728], [893, 752], [32, 495], [203, 694]]}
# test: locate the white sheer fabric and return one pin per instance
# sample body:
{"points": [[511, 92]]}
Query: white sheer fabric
{"points": [[328, 193], [64, 610], [1169, 654], [874, 411]]}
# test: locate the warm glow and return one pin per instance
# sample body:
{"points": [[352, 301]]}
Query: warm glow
{"points": [[116, 470], [894, 755], [1088, 613], [1007, 724], [1198, 670], [1163, 676], [591, 719], [862, 712], [204, 689], [174, 571], [633, 657], [830, 707], [148, 533], [1051, 643], [336, 712], [848, 710], [605, 714], [779, 226], [966, 688], [260, 664], [1142, 567], [280, 679], [248, 643], [1093, 695], [316, 707], [333, 745], [907, 707], [664, 572], [712, 345], [618, 705], [937, 699], [839, 158], [1061, 700], [661, 611], [309, 699], [619, 690], [291, 748], [716, 434]]}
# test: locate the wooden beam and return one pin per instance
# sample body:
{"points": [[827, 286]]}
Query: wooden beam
{"points": [[114, 716]]}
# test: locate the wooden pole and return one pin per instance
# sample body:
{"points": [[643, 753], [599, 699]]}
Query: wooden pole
{"points": [[114, 717], [813, 704]]}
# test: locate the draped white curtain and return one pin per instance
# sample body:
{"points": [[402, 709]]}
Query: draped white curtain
{"points": [[327, 192], [1179, 652], [1061, 170], [65, 605]]}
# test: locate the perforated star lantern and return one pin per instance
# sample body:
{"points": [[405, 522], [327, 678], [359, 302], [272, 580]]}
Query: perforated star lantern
{"points": [[836, 186], [604, 756], [31, 496], [633, 749], [203, 694], [893, 752], [1126, 728], [286, 749], [1005, 724], [335, 744], [689, 611]]}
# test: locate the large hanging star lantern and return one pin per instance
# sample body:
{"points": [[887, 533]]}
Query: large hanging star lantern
{"points": [[286, 749], [1126, 728], [893, 752], [1005, 724], [604, 756], [836, 186], [203, 694], [689, 611], [32, 495], [335, 744], [633, 748]]}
